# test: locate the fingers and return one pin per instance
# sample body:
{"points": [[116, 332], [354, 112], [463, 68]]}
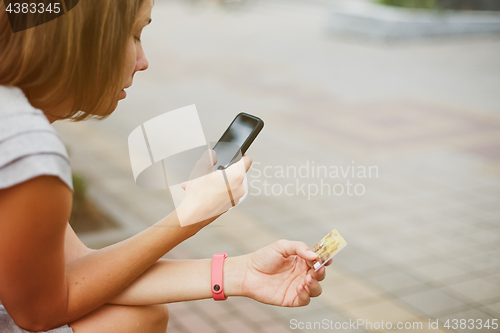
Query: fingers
{"points": [[303, 295], [313, 286], [244, 163], [247, 161], [238, 169], [235, 177], [184, 186], [329, 262], [310, 288], [288, 248], [319, 274], [236, 172]]}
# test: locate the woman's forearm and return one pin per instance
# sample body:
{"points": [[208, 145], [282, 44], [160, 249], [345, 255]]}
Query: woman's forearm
{"points": [[94, 279], [169, 281]]}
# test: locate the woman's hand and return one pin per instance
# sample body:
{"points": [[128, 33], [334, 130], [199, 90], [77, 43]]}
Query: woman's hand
{"points": [[278, 274], [211, 193]]}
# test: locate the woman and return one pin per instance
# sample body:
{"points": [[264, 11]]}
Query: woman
{"points": [[49, 279]]}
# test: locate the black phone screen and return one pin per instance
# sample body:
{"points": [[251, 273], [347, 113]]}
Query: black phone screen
{"points": [[237, 138]]}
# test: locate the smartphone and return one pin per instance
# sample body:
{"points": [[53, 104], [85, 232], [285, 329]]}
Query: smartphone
{"points": [[237, 139]]}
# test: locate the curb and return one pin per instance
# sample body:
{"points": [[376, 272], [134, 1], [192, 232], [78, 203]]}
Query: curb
{"points": [[371, 21]]}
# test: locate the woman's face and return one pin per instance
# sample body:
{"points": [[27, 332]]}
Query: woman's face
{"points": [[136, 58], [135, 61]]}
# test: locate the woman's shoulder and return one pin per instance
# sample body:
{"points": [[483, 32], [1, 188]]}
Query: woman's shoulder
{"points": [[18, 116], [29, 145]]}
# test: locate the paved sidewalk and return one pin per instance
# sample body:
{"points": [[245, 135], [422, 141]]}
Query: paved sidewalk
{"points": [[423, 240]]}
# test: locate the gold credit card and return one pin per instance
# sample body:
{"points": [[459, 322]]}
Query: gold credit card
{"points": [[326, 248]]}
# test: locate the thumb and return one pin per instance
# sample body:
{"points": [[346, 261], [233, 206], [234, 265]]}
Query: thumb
{"points": [[212, 154], [289, 248], [184, 186]]}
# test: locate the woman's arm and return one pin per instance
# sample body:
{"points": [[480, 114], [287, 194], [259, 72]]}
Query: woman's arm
{"points": [[73, 246], [41, 291], [169, 281], [276, 274], [37, 288]]}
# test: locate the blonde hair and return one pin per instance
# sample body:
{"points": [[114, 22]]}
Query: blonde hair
{"points": [[80, 54]]}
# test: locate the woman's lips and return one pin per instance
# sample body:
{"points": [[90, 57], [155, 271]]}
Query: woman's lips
{"points": [[123, 94]]}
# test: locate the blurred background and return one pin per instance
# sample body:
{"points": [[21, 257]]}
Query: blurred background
{"points": [[413, 94]]}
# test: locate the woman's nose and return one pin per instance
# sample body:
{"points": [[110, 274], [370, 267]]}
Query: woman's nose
{"points": [[142, 62]]}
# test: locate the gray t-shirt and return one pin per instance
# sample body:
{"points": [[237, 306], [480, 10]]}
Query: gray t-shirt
{"points": [[29, 145]]}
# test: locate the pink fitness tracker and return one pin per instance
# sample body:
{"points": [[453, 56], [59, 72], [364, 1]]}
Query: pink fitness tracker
{"points": [[217, 275]]}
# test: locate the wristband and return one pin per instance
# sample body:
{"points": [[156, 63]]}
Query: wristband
{"points": [[217, 276]]}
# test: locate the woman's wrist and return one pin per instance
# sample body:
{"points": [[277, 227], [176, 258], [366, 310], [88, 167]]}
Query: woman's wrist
{"points": [[234, 274]]}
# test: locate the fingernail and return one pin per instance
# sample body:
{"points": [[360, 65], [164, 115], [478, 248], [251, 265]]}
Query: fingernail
{"points": [[311, 253]]}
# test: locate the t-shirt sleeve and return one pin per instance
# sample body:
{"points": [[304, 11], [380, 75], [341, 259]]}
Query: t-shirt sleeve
{"points": [[29, 151], [33, 166]]}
